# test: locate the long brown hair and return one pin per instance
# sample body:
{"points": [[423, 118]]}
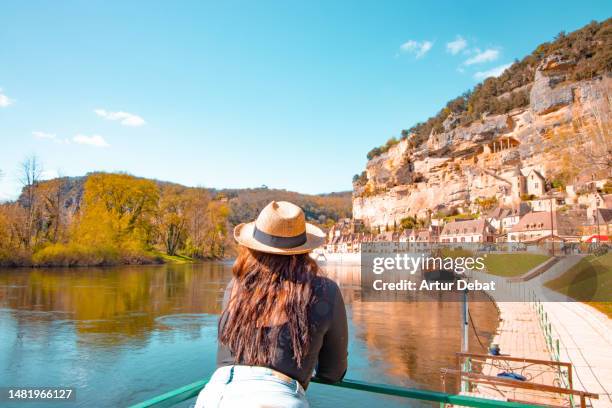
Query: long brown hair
{"points": [[268, 291]]}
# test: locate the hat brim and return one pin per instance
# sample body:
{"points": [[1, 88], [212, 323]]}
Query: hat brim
{"points": [[243, 234]]}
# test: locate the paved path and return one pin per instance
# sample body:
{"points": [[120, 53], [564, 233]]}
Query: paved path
{"points": [[584, 333], [585, 336], [520, 335]]}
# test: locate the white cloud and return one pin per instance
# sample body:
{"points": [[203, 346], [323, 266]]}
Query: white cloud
{"points": [[493, 72], [480, 57], [93, 140], [125, 118], [418, 48], [5, 101], [456, 46]]}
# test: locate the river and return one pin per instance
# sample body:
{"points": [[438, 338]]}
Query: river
{"points": [[121, 335]]}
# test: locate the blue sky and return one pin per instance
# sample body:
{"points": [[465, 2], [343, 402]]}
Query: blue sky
{"points": [[239, 94]]}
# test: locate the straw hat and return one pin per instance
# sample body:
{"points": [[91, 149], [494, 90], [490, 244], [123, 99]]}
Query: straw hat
{"points": [[280, 228]]}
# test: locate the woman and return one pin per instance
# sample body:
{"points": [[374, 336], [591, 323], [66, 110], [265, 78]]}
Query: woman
{"points": [[281, 320]]}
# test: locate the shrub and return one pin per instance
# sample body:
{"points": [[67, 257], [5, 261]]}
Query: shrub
{"points": [[13, 258], [74, 254], [360, 179]]}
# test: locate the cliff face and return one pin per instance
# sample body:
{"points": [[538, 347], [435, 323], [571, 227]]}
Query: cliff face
{"points": [[561, 134]]}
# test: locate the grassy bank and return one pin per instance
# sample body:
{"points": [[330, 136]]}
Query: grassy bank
{"points": [[589, 281], [77, 255], [510, 265], [175, 259]]}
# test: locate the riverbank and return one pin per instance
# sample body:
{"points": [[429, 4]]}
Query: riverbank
{"points": [[71, 256]]}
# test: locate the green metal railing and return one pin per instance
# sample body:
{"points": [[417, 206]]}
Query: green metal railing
{"points": [[552, 344], [189, 391]]}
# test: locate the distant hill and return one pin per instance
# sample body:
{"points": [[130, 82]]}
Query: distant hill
{"points": [[321, 208], [245, 204]]}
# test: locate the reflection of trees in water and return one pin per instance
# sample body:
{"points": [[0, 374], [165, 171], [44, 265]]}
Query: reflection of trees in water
{"points": [[121, 302], [414, 340]]}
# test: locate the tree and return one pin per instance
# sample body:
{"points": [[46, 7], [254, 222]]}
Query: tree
{"points": [[197, 223], [50, 196], [172, 216], [12, 232], [408, 222], [218, 213], [118, 210], [486, 203], [29, 176]]}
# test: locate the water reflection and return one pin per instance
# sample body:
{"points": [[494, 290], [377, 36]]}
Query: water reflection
{"points": [[125, 300], [414, 340], [141, 330]]}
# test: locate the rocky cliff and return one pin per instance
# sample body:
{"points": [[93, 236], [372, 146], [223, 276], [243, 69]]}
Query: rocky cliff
{"points": [[561, 133]]}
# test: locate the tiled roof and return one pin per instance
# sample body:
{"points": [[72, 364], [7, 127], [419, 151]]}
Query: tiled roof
{"points": [[604, 216], [498, 213], [464, 227], [535, 221]]}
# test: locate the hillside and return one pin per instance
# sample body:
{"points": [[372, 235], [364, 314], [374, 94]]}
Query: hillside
{"points": [[550, 113], [245, 203], [322, 209], [116, 218], [583, 54]]}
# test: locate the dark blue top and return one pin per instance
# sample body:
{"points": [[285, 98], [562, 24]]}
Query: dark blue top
{"points": [[328, 338]]}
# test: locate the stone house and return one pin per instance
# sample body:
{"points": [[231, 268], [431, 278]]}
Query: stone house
{"points": [[598, 223], [495, 216], [535, 226], [531, 184], [512, 217], [503, 219], [428, 235], [405, 235], [544, 204], [479, 230], [536, 183]]}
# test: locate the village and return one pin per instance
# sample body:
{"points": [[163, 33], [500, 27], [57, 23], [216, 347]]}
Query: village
{"points": [[531, 212]]}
